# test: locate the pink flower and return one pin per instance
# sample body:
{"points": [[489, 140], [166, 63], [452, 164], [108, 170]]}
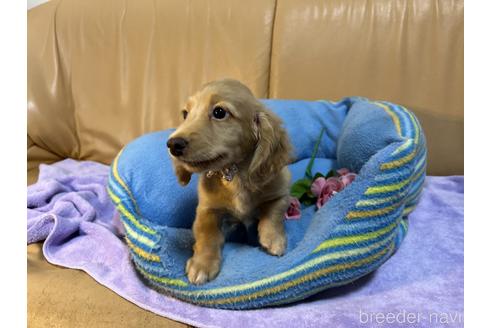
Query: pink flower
{"points": [[294, 210], [317, 186], [347, 179], [343, 171], [331, 186]]}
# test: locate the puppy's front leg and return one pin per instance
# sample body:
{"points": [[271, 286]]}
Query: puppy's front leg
{"points": [[205, 263], [271, 230]]}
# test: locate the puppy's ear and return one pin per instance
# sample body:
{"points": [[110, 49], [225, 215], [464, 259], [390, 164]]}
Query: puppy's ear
{"points": [[182, 174], [273, 150]]}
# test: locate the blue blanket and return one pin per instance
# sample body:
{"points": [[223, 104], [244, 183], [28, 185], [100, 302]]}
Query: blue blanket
{"points": [[349, 237]]}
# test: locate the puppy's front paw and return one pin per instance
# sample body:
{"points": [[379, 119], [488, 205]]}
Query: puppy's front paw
{"points": [[201, 269], [273, 242]]}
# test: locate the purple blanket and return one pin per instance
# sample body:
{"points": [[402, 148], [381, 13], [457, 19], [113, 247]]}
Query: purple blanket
{"points": [[421, 285]]}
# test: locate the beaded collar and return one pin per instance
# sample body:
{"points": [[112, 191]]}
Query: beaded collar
{"points": [[227, 173]]}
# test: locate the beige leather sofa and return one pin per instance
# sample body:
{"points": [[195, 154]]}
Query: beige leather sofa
{"points": [[101, 73]]}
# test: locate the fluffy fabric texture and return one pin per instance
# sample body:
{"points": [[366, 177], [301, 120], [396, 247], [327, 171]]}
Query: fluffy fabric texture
{"points": [[349, 237], [425, 276]]}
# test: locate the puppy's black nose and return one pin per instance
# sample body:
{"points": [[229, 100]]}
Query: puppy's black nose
{"points": [[177, 146]]}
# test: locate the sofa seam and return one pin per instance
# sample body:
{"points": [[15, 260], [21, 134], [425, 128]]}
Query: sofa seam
{"points": [[272, 35], [68, 80]]}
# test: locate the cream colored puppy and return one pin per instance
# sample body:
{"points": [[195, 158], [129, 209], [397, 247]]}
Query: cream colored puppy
{"points": [[241, 151]]}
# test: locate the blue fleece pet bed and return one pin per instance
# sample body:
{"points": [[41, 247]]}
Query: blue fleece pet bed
{"points": [[349, 237]]}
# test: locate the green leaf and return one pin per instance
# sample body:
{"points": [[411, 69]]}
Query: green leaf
{"points": [[310, 194], [315, 151], [307, 200], [300, 187], [318, 175], [330, 174]]}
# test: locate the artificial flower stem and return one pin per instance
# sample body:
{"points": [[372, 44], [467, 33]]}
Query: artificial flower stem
{"points": [[308, 172]]}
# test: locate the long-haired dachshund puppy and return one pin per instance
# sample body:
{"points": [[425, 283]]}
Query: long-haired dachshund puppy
{"points": [[241, 151]]}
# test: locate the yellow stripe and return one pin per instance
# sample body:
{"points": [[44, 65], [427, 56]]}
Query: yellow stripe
{"points": [[387, 188], [397, 123], [130, 216], [122, 183], [404, 223], [415, 125], [421, 162], [405, 145], [391, 176], [298, 281], [303, 267], [416, 194], [394, 117], [167, 281], [419, 174], [405, 226], [299, 297], [307, 265], [342, 241], [319, 289], [365, 214], [399, 162], [407, 210], [142, 253], [144, 240], [376, 201]]}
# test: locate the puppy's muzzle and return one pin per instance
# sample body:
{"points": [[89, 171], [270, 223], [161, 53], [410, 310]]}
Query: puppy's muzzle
{"points": [[177, 146]]}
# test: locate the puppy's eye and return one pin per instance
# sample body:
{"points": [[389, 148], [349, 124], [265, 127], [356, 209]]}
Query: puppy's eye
{"points": [[185, 114], [219, 113]]}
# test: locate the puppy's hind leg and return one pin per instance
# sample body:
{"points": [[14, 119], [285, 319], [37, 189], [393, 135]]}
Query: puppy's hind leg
{"points": [[271, 230]]}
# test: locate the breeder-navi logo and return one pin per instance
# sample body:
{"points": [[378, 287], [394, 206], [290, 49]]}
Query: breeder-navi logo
{"points": [[404, 317]]}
